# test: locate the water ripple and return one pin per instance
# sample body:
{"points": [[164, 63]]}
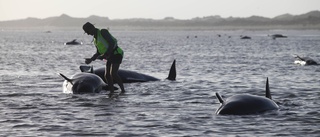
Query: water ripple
{"points": [[32, 103]]}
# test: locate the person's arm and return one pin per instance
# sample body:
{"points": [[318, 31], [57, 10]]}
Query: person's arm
{"points": [[93, 58], [107, 36]]}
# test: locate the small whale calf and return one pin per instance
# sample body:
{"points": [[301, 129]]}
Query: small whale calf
{"points": [[246, 104]]}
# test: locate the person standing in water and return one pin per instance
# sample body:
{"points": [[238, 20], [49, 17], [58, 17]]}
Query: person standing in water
{"points": [[108, 49]]}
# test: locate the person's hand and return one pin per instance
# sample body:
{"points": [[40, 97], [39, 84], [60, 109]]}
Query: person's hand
{"points": [[105, 56], [88, 60]]}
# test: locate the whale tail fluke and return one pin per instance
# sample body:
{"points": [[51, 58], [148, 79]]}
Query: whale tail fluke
{"points": [[219, 98], [66, 78], [172, 74], [268, 94], [299, 58]]}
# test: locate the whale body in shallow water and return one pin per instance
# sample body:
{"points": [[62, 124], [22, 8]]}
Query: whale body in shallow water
{"points": [[246, 104], [82, 83], [128, 76], [274, 36], [73, 42], [305, 61]]}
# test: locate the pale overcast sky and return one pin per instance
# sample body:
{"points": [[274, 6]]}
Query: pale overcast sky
{"points": [[155, 9]]}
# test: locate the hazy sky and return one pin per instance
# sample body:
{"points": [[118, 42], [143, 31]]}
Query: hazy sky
{"points": [[155, 9]]}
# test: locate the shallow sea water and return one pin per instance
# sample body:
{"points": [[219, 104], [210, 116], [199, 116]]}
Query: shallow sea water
{"points": [[32, 102]]}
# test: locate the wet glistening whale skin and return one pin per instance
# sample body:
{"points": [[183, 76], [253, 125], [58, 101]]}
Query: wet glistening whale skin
{"points": [[246, 104], [128, 76]]}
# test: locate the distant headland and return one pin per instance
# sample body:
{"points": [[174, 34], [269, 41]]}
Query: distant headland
{"points": [[310, 20]]}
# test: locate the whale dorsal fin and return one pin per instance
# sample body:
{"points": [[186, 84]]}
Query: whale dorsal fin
{"points": [[268, 94], [219, 98], [66, 78], [172, 74], [88, 69]]}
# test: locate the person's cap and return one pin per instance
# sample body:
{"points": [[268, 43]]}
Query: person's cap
{"points": [[87, 27]]}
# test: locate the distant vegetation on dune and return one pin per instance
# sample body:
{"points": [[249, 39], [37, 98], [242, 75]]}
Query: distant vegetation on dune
{"points": [[310, 20]]}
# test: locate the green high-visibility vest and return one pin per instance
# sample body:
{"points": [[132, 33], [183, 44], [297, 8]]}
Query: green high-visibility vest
{"points": [[103, 45]]}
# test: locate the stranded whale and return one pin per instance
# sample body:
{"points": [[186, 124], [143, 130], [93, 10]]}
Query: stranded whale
{"points": [[274, 36], [128, 76], [246, 104], [83, 83], [73, 42], [305, 61]]}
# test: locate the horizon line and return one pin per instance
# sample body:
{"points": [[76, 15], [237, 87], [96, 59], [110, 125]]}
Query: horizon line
{"points": [[64, 14]]}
